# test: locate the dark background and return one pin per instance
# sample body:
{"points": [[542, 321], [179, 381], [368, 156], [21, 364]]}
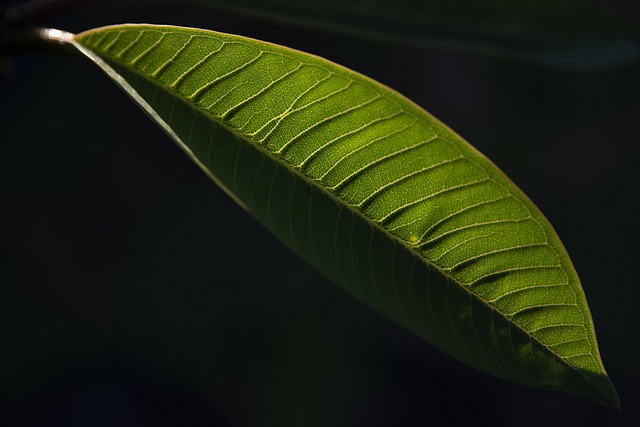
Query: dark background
{"points": [[133, 292]]}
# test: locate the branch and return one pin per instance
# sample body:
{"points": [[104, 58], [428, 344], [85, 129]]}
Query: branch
{"points": [[41, 10], [38, 10]]}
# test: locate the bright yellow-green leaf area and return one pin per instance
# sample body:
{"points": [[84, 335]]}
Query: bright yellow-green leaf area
{"points": [[452, 248]]}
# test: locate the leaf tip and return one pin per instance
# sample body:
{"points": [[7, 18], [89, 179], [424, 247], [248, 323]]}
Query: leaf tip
{"points": [[608, 394]]}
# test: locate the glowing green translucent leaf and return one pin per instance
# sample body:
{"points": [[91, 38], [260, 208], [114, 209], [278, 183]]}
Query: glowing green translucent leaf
{"points": [[373, 191]]}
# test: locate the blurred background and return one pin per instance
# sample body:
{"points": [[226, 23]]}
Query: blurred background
{"points": [[133, 292]]}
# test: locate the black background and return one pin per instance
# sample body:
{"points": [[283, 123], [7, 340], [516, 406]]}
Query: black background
{"points": [[135, 293]]}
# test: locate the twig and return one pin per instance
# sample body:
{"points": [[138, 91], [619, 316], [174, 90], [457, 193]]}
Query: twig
{"points": [[38, 10]]}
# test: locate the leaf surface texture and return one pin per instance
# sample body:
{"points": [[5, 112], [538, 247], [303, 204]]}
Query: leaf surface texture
{"points": [[372, 190]]}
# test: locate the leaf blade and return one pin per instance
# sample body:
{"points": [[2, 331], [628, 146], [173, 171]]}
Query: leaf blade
{"points": [[403, 213]]}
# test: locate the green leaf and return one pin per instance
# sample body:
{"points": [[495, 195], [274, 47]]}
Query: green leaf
{"points": [[373, 191]]}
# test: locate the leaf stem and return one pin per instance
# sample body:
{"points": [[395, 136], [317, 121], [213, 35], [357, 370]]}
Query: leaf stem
{"points": [[28, 40], [18, 34]]}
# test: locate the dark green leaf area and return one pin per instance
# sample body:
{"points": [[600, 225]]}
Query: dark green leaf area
{"points": [[376, 193]]}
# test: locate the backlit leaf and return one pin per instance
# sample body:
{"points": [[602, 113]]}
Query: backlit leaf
{"points": [[373, 191]]}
